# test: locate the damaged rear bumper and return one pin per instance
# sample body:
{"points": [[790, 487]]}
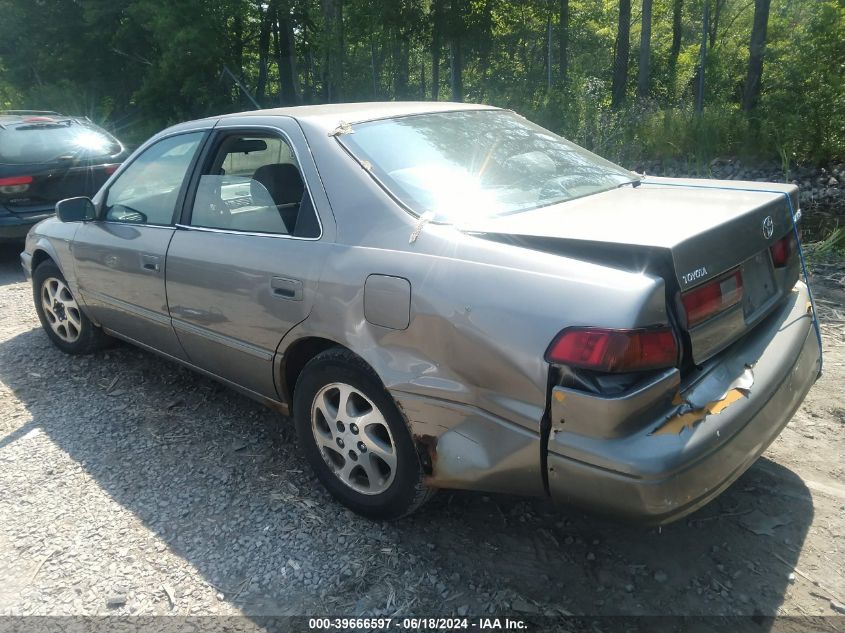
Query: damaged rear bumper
{"points": [[14, 227], [703, 436], [26, 264], [653, 455]]}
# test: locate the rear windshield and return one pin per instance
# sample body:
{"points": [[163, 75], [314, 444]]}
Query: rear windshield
{"points": [[466, 165], [41, 142]]}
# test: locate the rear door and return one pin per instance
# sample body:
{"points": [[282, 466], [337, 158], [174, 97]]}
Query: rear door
{"points": [[242, 268], [120, 258]]}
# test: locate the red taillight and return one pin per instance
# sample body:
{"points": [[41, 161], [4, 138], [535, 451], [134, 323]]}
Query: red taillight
{"points": [[614, 350], [782, 250], [11, 181], [110, 169], [713, 297]]}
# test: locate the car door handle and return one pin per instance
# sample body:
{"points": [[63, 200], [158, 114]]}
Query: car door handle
{"points": [[150, 263], [285, 288]]}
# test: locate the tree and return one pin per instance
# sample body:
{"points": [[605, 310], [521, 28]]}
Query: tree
{"points": [[334, 49], [714, 22], [285, 49], [620, 59], [702, 58], [456, 65], [436, 47], [757, 51], [482, 35], [677, 35], [400, 22], [644, 75], [266, 18], [563, 42]]}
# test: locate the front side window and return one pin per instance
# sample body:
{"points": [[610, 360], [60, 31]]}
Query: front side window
{"points": [[254, 184], [475, 164], [148, 190]]}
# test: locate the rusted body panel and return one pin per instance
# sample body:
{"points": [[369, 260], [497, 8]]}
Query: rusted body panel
{"points": [[465, 447]]}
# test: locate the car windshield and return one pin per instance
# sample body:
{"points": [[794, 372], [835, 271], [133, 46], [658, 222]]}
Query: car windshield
{"points": [[48, 141], [466, 165]]}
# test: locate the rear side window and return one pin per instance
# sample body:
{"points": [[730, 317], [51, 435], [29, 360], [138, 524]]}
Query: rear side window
{"points": [[254, 184], [46, 142]]}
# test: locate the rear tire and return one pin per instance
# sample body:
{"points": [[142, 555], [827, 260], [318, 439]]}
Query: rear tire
{"points": [[61, 315], [355, 439]]}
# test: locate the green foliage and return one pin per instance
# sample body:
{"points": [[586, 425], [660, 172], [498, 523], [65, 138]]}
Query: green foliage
{"points": [[138, 65], [834, 243], [804, 108]]}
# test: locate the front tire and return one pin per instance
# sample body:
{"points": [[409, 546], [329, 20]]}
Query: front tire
{"points": [[355, 439], [60, 314]]}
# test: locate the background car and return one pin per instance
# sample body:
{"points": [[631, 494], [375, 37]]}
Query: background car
{"points": [[47, 156]]}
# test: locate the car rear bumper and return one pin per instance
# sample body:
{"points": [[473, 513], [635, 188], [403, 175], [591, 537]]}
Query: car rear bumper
{"points": [[689, 453], [639, 463], [14, 227], [26, 264]]}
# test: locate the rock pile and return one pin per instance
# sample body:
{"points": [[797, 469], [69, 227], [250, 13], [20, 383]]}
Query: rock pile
{"points": [[822, 188]]}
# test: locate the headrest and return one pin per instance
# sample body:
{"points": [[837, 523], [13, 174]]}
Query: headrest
{"points": [[281, 180]]}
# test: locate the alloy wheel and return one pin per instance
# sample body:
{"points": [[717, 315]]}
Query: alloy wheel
{"points": [[354, 438], [61, 310]]}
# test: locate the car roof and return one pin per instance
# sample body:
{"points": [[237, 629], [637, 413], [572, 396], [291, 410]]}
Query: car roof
{"points": [[331, 115], [15, 117], [23, 114]]}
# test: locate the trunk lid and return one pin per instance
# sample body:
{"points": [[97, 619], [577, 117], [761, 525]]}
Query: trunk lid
{"points": [[687, 235]]}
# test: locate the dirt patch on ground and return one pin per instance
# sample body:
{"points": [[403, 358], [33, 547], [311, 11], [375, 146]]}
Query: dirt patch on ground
{"points": [[132, 486]]}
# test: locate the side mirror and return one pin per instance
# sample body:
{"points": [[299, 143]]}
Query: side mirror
{"points": [[76, 210]]}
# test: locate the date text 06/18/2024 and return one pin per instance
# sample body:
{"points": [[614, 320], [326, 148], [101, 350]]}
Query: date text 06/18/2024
{"points": [[481, 624]]}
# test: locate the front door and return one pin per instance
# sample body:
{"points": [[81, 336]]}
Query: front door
{"points": [[243, 266], [120, 258]]}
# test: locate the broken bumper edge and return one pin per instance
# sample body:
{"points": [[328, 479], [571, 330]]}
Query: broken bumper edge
{"points": [[662, 478]]}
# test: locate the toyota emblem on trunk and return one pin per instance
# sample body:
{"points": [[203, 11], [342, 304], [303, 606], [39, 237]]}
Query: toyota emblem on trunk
{"points": [[768, 227]]}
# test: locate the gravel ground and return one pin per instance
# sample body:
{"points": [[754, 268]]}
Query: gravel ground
{"points": [[129, 485]]}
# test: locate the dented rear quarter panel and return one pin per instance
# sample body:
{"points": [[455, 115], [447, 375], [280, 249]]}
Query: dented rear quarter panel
{"points": [[468, 372], [482, 313]]}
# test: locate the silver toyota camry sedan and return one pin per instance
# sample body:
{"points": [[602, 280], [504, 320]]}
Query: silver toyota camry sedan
{"points": [[448, 296]]}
